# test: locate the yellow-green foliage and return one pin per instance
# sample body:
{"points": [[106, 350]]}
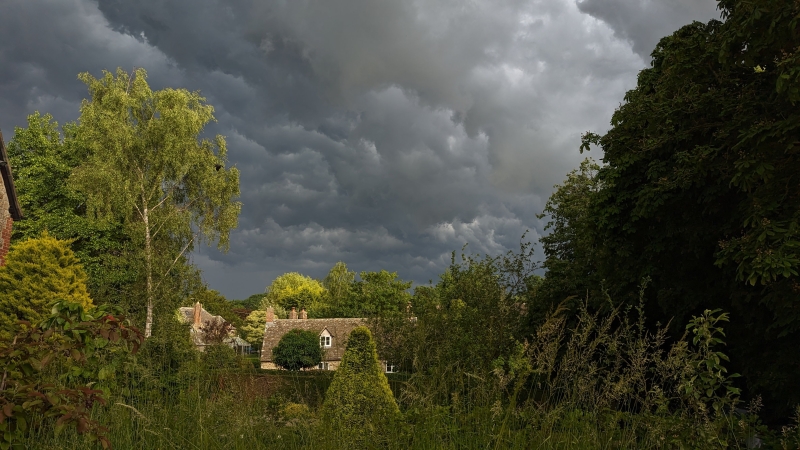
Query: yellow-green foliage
{"points": [[253, 329], [294, 289], [39, 272], [359, 403]]}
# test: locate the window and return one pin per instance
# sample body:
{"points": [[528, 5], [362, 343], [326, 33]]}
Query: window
{"points": [[391, 368], [325, 341], [323, 366]]}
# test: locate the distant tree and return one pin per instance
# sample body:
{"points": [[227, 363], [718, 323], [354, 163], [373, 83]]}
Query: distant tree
{"points": [[253, 329], [377, 293], [252, 302], [38, 273], [359, 402], [297, 349], [294, 290], [339, 283], [146, 166]]}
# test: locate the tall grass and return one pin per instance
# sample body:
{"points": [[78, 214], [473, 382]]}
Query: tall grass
{"points": [[593, 381]]}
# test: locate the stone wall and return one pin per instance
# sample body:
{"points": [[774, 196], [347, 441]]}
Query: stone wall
{"points": [[5, 223]]}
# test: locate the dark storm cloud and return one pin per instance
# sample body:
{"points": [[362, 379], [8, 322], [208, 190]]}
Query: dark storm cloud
{"points": [[384, 134], [645, 22]]}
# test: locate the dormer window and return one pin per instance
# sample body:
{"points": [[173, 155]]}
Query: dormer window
{"points": [[325, 339]]}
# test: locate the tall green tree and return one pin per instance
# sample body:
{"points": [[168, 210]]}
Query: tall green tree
{"points": [[295, 290], [146, 166], [339, 283], [376, 293], [43, 157], [699, 189]]}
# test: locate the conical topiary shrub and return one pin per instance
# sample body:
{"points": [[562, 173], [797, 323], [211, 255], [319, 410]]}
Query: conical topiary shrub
{"points": [[359, 405]]}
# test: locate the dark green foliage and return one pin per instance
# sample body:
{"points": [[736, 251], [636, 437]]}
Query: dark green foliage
{"points": [[87, 346], [252, 303], [359, 403], [298, 349], [699, 191], [220, 356], [43, 160], [376, 294], [457, 328], [38, 273]]}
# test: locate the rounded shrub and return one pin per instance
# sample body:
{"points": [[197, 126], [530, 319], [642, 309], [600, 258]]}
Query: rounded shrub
{"points": [[38, 273], [297, 349]]}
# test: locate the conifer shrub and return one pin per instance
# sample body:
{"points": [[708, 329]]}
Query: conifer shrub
{"points": [[38, 273], [297, 349], [359, 404]]}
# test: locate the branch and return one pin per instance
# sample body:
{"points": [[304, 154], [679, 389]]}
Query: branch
{"points": [[173, 262]]}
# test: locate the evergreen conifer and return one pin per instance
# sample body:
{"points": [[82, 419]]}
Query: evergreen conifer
{"points": [[39, 272], [359, 403]]}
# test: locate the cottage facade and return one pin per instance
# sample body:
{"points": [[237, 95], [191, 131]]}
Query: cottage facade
{"points": [[9, 204], [333, 334]]}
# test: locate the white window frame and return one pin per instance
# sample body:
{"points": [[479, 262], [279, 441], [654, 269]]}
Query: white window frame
{"points": [[325, 339], [391, 368], [323, 366]]}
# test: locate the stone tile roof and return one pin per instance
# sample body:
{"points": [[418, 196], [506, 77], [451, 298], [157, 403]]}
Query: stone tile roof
{"points": [[339, 330], [187, 314]]}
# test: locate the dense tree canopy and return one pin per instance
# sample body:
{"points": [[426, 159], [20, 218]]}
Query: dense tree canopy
{"points": [[43, 160], [699, 191], [294, 290]]}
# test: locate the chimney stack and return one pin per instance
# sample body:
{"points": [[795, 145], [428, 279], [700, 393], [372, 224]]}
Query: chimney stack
{"points": [[303, 314], [293, 313], [270, 315], [197, 318]]}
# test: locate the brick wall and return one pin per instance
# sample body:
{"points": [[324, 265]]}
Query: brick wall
{"points": [[5, 224]]}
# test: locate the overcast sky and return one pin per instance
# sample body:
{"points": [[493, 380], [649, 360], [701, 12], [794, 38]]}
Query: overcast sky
{"points": [[382, 133]]}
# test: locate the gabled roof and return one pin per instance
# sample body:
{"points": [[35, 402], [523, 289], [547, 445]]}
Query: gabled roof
{"points": [[8, 180], [338, 328]]}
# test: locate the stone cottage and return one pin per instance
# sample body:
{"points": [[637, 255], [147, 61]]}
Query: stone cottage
{"points": [[332, 334], [201, 320], [9, 204]]}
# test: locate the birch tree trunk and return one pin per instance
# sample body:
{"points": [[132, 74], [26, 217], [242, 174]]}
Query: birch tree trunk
{"points": [[148, 257]]}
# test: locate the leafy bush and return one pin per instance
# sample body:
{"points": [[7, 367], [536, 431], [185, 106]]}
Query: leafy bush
{"points": [[88, 345], [38, 273], [220, 356], [359, 403], [298, 349]]}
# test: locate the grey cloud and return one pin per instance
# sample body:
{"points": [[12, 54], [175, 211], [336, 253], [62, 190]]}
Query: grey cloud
{"points": [[645, 22], [385, 134]]}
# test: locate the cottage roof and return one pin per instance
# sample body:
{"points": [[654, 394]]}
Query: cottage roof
{"points": [[8, 180], [339, 330], [187, 314]]}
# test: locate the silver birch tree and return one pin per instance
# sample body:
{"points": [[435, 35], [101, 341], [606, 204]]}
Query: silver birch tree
{"points": [[146, 165]]}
